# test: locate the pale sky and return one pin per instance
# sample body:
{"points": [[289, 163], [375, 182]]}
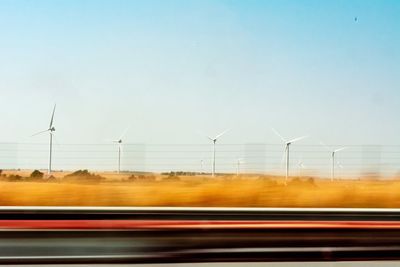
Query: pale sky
{"points": [[171, 69]]}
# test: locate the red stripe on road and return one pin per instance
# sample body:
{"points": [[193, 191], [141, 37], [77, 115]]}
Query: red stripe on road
{"points": [[188, 224]]}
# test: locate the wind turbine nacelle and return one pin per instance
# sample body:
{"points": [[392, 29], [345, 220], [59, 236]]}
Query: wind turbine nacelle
{"points": [[52, 129]]}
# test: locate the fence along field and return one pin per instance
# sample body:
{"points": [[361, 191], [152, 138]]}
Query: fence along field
{"points": [[368, 177], [305, 160]]}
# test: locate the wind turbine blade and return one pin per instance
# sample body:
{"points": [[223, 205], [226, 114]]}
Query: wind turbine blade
{"points": [[240, 160], [40, 132], [340, 149], [221, 134], [52, 117], [109, 140], [203, 134], [297, 139], [324, 145], [124, 132], [279, 135]]}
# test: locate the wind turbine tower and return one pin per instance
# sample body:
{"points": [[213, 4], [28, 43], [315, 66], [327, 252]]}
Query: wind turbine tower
{"points": [[119, 142], [201, 166], [239, 162], [214, 140], [287, 150], [50, 130], [333, 153]]}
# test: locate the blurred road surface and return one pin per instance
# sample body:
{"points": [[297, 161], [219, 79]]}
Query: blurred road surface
{"points": [[194, 235], [245, 264]]}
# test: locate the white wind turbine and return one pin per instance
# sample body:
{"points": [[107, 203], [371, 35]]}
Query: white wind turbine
{"points": [[340, 165], [201, 166], [119, 142], [51, 129], [286, 152], [301, 165], [333, 153], [238, 162], [214, 140]]}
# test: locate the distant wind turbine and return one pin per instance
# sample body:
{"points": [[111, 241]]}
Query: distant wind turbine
{"points": [[119, 142], [301, 165], [51, 129], [239, 162], [214, 140], [333, 153], [286, 152], [340, 165], [201, 166]]}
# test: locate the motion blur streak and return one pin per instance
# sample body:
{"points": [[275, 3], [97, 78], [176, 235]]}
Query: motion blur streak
{"points": [[168, 224], [35, 235]]}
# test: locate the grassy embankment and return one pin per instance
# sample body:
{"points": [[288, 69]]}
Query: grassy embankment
{"points": [[245, 191]]}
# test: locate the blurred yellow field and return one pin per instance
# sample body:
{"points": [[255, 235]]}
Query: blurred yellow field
{"points": [[229, 191]]}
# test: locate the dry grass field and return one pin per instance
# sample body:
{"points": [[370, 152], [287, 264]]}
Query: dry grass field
{"points": [[227, 191]]}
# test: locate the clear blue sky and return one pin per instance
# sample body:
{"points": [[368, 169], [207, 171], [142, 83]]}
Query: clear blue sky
{"points": [[173, 68]]}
